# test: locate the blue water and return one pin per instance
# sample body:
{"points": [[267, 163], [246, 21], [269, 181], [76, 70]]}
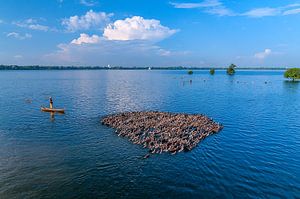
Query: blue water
{"points": [[257, 154]]}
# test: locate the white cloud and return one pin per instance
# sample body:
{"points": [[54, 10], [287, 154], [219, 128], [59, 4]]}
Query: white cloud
{"points": [[89, 20], [262, 55], [88, 2], [220, 11], [114, 53], [38, 27], [216, 7], [31, 24], [137, 28], [262, 12], [204, 4], [18, 56], [86, 39], [1, 21], [125, 39], [19, 36], [292, 11], [163, 52]]}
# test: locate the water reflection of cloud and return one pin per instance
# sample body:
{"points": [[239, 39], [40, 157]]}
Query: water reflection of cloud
{"points": [[84, 88], [134, 91]]}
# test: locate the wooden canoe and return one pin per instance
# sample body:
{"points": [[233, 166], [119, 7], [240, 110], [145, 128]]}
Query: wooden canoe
{"points": [[52, 110]]}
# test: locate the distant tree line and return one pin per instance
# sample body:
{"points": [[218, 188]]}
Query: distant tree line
{"points": [[291, 73], [38, 67]]}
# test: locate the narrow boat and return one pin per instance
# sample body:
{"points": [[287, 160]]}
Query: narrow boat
{"points": [[52, 110]]}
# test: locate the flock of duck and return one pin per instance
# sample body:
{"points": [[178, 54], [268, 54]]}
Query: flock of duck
{"points": [[162, 131]]}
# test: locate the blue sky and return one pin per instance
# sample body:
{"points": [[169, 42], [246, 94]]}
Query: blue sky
{"points": [[207, 33]]}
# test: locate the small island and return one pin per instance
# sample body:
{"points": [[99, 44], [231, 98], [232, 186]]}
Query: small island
{"points": [[163, 131]]}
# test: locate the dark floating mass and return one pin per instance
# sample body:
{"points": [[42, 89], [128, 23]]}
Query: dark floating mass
{"points": [[162, 131]]}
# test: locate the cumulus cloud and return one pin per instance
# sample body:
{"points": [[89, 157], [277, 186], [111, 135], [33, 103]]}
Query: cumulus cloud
{"points": [[120, 44], [114, 53], [31, 24], [137, 28], [86, 39], [262, 55], [19, 36], [90, 20], [96, 50]]}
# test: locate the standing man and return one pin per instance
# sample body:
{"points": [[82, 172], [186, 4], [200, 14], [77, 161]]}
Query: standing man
{"points": [[51, 102]]}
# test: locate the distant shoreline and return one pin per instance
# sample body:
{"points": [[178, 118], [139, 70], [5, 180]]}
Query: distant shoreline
{"points": [[16, 67]]}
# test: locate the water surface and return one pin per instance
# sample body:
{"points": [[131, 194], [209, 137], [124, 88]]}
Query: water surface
{"points": [[257, 154]]}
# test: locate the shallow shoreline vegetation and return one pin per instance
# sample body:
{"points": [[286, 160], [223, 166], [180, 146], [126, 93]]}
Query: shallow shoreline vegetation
{"points": [[231, 69], [163, 131], [292, 73], [190, 72]]}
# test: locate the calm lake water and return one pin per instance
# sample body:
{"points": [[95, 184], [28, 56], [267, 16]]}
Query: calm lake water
{"points": [[257, 154]]}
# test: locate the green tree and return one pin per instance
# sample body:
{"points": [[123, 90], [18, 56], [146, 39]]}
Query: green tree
{"points": [[231, 69], [212, 71], [292, 73], [190, 72]]}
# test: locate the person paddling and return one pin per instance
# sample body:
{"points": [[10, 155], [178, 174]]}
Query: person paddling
{"points": [[51, 102], [51, 109]]}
